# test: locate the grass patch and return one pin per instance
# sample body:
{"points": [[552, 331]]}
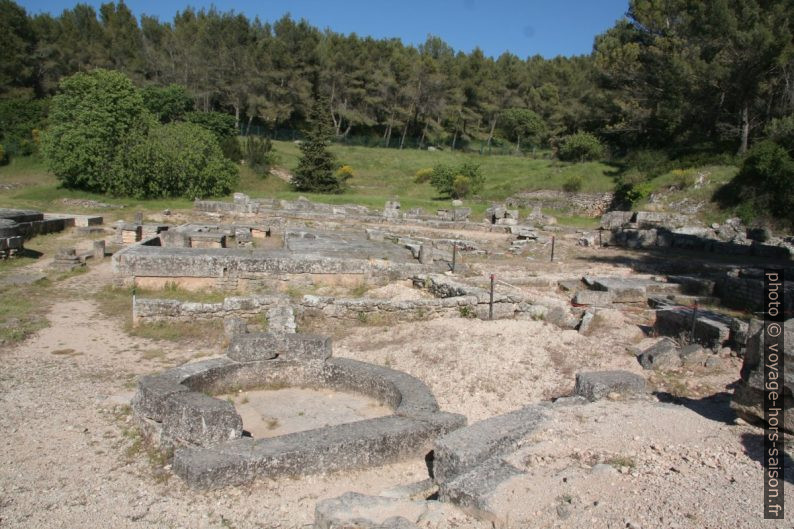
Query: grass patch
{"points": [[137, 446], [23, 309], [116, 302], [621, 461], [673, 192], [380, 174], [178, 331]]}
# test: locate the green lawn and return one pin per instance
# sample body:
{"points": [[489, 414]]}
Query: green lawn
{"points": [[673, 198], [380, 175], [384, 174]]}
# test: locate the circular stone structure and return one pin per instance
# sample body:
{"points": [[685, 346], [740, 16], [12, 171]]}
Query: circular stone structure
{"points": [[176, 409]]}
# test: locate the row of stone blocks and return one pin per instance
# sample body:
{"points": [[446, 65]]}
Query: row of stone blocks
{"points": [[469, 464], [176, 411]]}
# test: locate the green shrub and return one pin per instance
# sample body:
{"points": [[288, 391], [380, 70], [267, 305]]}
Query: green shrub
{"points": [[628, 194], [95, 119], [167, 103], [177, 159], [220, 124], [3, 156], [763, 185], [573, 184], [258, 154], [580, 147], [647, 163], [457, 182], [781, 131], [423, 175], [230, 147]]}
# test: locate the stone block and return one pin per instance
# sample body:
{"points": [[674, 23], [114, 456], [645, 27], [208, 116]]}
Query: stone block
{"points": [[265, 346], [596, 385], [153, 392], [99, 250], [474, 490], [615, 219], [623, 290], [233, 327], [661, 356], [197, 419], [750, 393], [347, 446], [281, 319], [359, 511], [597, 298], [693, 355], [712, 330], [463, 449]]}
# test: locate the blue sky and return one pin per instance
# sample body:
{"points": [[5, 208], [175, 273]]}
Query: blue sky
{"points": [[528, 27]]}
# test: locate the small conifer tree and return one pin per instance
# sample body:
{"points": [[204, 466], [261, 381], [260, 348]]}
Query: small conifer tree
{"points": [[316, 170]]}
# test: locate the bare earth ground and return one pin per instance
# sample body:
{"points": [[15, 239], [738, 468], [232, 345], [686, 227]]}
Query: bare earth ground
{"points": [[70, 459]]}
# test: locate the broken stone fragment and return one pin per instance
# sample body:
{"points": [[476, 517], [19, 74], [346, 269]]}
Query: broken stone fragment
{"points": [[596, 385], [661, 356]]}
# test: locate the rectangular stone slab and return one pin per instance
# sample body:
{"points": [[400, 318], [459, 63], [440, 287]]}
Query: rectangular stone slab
{"points": [[463, 449], [473, 490], [349, 446]]}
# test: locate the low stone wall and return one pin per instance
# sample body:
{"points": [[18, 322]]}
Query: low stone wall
{"points": [[150, 310], [583, 204], [233, 268], [306, 210], [176, 411], [747, 293], [651, 229]]}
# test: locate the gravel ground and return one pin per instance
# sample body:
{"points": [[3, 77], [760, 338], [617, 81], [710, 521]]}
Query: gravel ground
{"points": [[70, 459]]}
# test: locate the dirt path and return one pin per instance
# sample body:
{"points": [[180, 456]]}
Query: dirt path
{"points": [[68, 460]]}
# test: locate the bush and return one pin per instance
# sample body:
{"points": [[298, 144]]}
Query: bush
{"points": [[344, 173], [573, 184], [230, 147], [647, 164], [580, 147], [763, 185], [3, 156], [102, 139], [259, 154], [423, 175], [177, 159], [220, 124], [167, 103], [460, 182], [628, 194], [781, 131], [95, 119]]}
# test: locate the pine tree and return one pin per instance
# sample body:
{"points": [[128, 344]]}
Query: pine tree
{"points": [[315, 172]]}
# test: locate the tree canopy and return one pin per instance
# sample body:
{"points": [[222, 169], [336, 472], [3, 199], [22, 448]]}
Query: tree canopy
{"points": [[103, 139], [672, 74]]}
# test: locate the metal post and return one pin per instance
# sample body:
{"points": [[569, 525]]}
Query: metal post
{"points": [[454, 255], [694, 319], [552, 248], [490, 305]]}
